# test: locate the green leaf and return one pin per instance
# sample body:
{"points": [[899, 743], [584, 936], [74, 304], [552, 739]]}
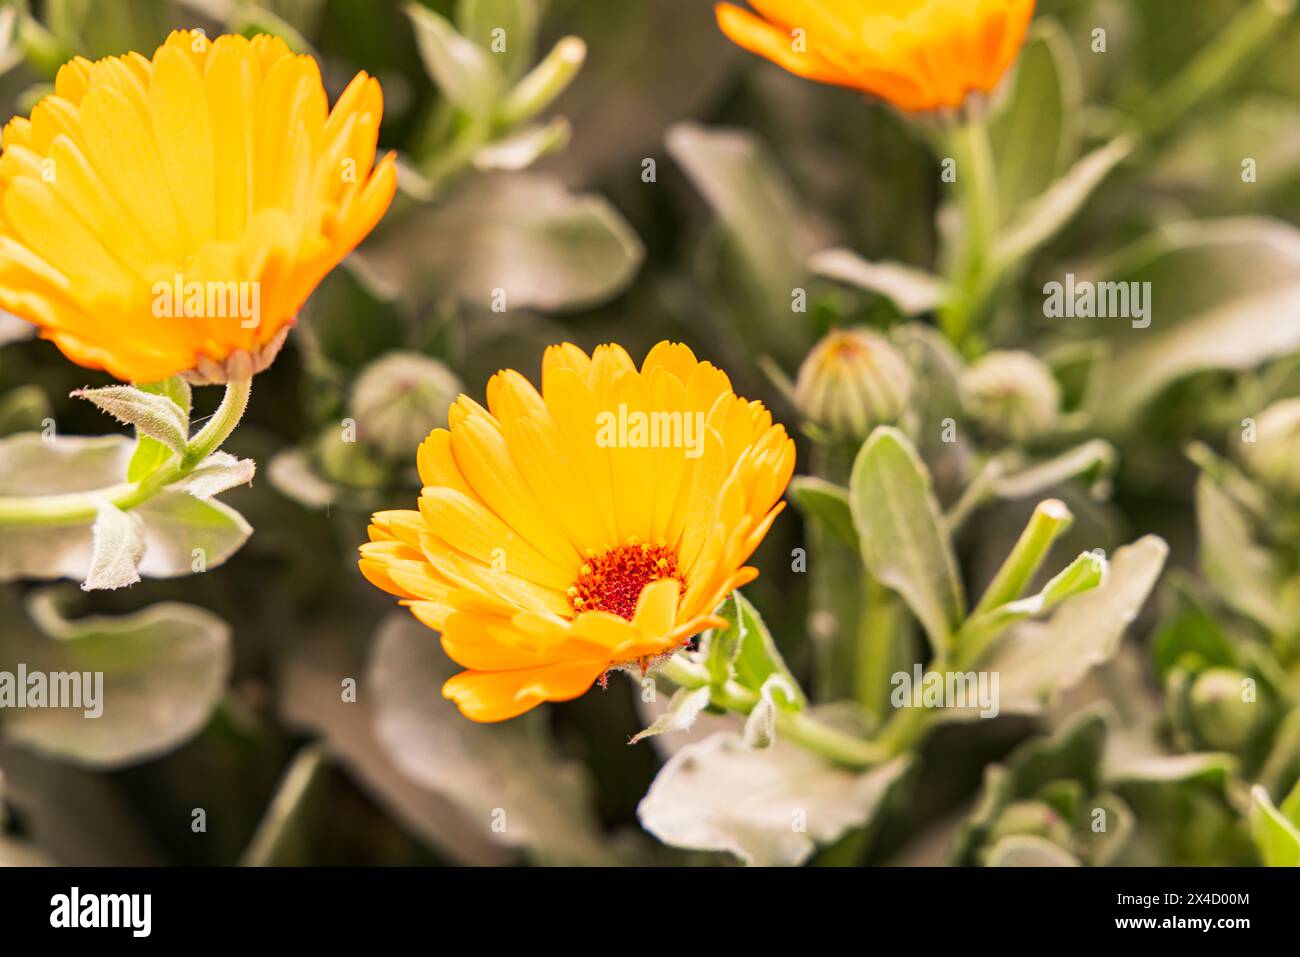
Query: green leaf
{"points": [[184, 534], [756, 658], [505, 774], [31, 465], [516, 19], [936, 394], [164, 669], [1189, 635], [913, 291], [1127, 765], [1282, 766], [1072, 754], [283, 826], [116, 549], [1044, 217], [1034, 135], [1082, 575], [683, 709], [826, 503], [523, 236], [771, 806], [1025, 850], [1094, 460], [155, 416], [1218, 287], [1246, 575], [218, 473], [1276, 835], [465, 72], [150, 454], [1037, 660], [522, 149], [762, 222], [1101, 847], [905, 544]]}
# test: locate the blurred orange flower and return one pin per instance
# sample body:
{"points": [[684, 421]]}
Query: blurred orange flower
{"points": [[919, 55], [594, 525], [171, 215]]}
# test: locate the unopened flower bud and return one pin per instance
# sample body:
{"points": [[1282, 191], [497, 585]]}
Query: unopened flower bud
{"points": [[851, 382], [1011, 396], [1036, 818], [1224, 717], [399, 399], [1274, 455]]}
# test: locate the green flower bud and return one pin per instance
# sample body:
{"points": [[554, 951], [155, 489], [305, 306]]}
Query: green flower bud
{"points": [[851, 382], [1011, 396], [348, 463], [1035, 818], [398, 400], [1225, 720], [1274, 456]]}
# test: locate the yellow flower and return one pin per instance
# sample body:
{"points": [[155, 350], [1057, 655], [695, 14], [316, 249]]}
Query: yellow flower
{"points": [[593, 526], [919, 55], [171, 215]]}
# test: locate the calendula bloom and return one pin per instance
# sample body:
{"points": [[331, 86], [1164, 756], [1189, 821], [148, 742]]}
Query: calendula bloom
{"points": [[171, 215], [920, 55], [595, 525]]}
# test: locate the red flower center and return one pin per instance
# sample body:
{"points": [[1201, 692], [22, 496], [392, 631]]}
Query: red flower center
{"points": [[612, 581]]}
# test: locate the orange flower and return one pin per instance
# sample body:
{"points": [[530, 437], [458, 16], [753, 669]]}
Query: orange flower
{"points": [[593, 526], [171, 215], [918, 54]]}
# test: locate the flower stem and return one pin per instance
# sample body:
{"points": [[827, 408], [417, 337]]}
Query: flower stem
{"points": [[798, 727], [977, 196], [74, 507], [1050, 520]]}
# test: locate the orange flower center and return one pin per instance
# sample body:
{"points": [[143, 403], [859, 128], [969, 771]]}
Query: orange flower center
{"points": [[612, 581]]}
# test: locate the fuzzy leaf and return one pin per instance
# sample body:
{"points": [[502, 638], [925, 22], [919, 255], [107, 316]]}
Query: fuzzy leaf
{"points": [[218, 473], [1276, 835], [463, 70], [164, 670], [825, 503], [1038, 660], [508, 773], [905, 543], [155, 416], [719, 795], [150, 454], [1047, 215], [756, 658], [683, 709], [1025, 850], [116, 549], [1095, 459], [516, 19], [913, 291]]}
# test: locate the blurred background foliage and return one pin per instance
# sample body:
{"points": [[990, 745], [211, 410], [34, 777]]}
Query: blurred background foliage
{"points": [[675, 189]]}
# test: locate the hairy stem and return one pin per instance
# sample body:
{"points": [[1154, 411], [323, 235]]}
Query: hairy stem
{"points": [[73, 507], [797, 727]]}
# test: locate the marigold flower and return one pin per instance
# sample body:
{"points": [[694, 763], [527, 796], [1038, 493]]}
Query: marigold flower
{"points": [[920, 55], [592, 526], [171, 215]]}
